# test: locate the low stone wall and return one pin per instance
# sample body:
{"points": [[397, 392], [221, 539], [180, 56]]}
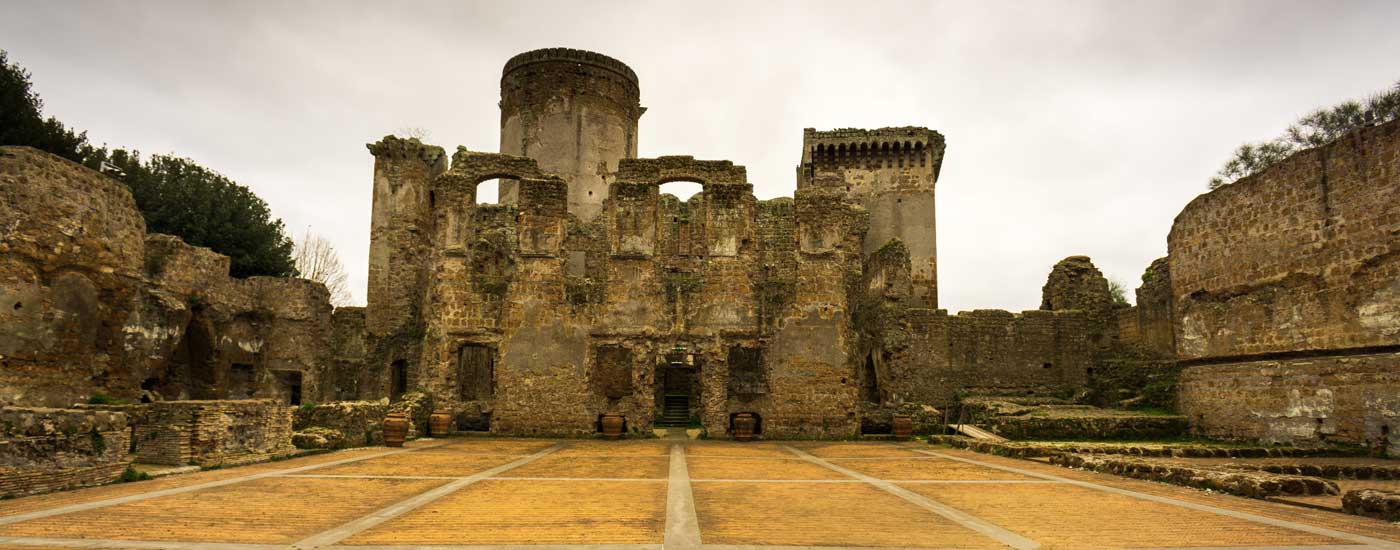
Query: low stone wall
{"points": [[1329, 471], [1089, 427], [1256, 484], [417, 406], [341, 424], [1019, 449], [43, 450], [1306, 400], [209, 433], [1373, 503]]}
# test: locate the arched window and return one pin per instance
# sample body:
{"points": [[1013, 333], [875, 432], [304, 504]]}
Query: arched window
{"points": [[682, 190], [489, 192]]}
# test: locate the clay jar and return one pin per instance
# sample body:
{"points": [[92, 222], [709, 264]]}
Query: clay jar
{"points": [[395, 429], [440, 424], [612, 426]]}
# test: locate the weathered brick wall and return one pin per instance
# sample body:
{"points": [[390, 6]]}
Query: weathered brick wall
{"points": [[43, 450], [1304, 255], [207, 433], [1303, 400]]}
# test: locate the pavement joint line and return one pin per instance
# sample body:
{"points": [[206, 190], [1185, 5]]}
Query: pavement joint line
{"points": [[336, 534], [784, 547], [133, 544], [682, 524], [39, 514], [991, 530], [1365, 541], [352, 476], [623, 479], [1302, 547], [497, 547]]}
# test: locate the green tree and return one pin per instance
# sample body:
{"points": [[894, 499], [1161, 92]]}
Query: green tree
{"points": [[22, 121], [204, 208], [174, 194], [1318, 128]]}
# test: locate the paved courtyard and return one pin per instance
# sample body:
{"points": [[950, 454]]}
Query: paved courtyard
{"points": [[638, 495]]}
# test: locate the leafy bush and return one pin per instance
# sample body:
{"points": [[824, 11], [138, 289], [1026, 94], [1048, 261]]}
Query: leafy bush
{"points": [[1321, 127], [132, 474]]}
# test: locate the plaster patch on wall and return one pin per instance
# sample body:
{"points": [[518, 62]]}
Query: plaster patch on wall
{"points": [[1381, 311]]}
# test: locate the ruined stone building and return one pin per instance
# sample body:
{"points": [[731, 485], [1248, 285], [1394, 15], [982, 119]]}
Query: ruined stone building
{"points": [[590, 290]]}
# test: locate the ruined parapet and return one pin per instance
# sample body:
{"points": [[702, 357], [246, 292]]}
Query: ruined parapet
{"points": [[892, 172], [1075, 284], [576, 113], [1156, 334], [400, 230]]}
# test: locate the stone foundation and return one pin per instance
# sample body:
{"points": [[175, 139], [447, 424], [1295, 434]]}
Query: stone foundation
{"points": [[1309, 400], [43, 450]]}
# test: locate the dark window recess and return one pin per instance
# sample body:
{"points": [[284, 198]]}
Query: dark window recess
{"points": [[1046, 366], [870, 383], [242, 382], [746, 375], [612, 372], [398, 379], [291, 385], [476, 372]]}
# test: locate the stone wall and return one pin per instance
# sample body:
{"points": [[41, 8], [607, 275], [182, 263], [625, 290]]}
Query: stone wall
{"points": [[1350, 399], [1304, 255], [211, 433], [1286, 291], [43, 450], [349, 423], [96, 307]]}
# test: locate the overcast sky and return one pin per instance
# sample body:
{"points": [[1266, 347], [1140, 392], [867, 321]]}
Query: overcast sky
{"points": [[1072, 127]]}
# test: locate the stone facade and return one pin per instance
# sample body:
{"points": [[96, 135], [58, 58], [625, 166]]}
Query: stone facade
{"points": [[94, 306], [589, 290], [1286, 293], [1302, 256]]}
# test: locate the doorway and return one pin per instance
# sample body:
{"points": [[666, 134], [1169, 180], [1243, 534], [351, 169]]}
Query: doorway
{"points": [[677, 384]]}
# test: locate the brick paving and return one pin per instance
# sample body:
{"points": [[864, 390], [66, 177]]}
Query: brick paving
{"points": [[479, 493]]}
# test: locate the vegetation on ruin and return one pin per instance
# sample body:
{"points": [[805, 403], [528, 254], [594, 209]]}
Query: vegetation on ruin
{"points": [[1318, 128], [175, 195], [1117, 293]]}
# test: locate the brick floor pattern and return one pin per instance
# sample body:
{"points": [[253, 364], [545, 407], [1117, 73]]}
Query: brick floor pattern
{"points": [[540, 492]]}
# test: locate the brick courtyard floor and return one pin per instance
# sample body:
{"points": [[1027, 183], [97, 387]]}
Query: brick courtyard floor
{"points": [[648, 495]]}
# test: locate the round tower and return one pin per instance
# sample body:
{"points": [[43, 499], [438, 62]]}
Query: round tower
{"points": [[575, 112]]}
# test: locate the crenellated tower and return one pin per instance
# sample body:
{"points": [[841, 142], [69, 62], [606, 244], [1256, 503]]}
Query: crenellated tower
{"points": [[892, 172], [575, 112]]}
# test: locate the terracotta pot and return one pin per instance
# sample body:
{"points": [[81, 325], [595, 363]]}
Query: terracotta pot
{"points": [[440, 424], [743, 426], [612, 426], [903, 426], [395, 429]]}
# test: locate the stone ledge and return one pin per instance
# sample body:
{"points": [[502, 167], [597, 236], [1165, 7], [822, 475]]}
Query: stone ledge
{"points": [[1373, 503]]}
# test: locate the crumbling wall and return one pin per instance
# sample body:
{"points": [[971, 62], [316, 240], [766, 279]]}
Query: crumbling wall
{"points": [[1304, 255], [1286, 289], [44, 450], [208, 433], [70, 270], [1349, 399], [95, 307]]}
